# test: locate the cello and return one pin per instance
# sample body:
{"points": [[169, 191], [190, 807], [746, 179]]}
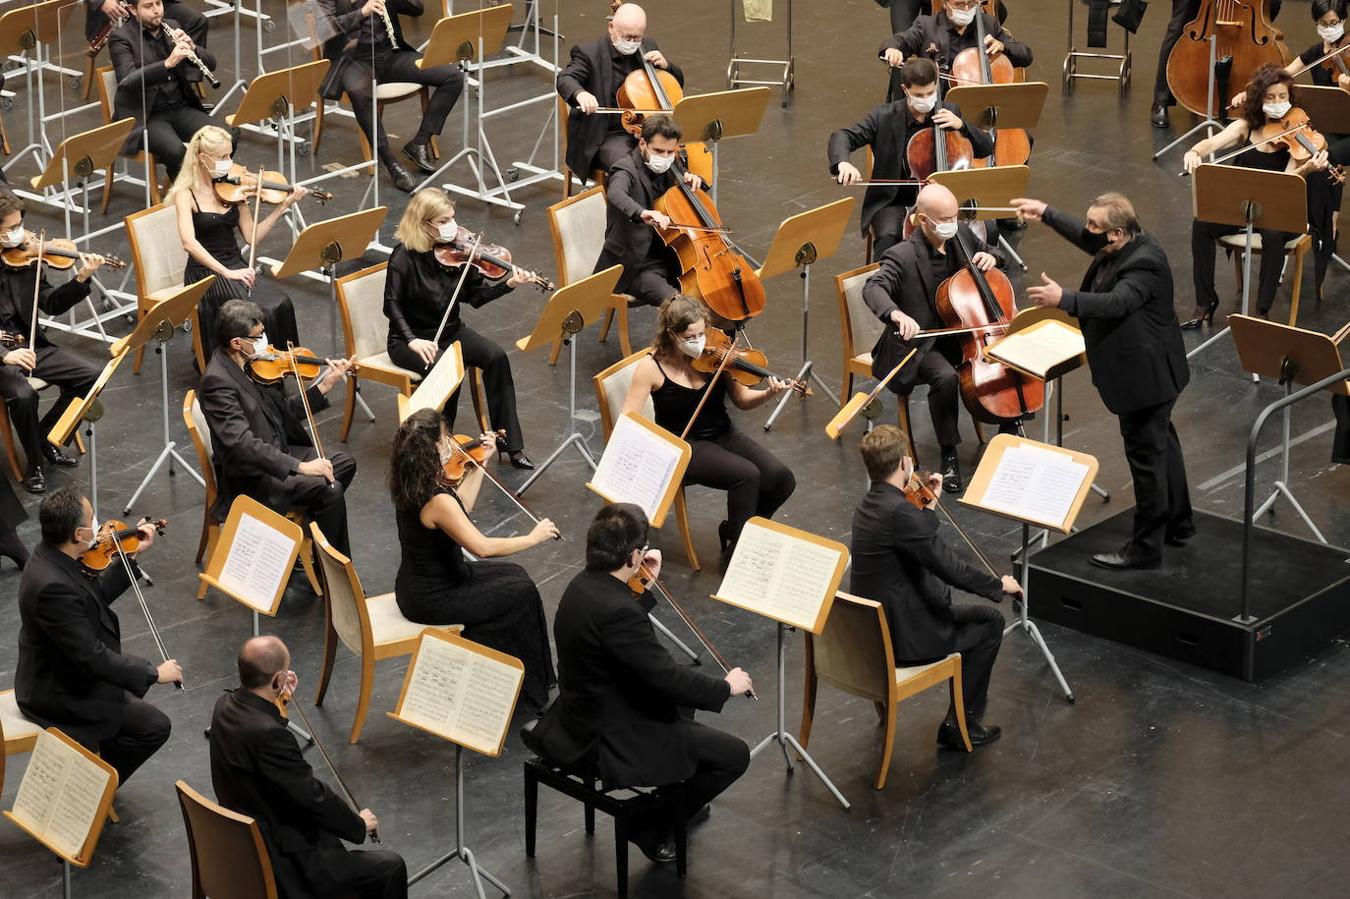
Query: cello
{"points": [[936, 149], [1244, 40], [650, 90], [972, 65]]}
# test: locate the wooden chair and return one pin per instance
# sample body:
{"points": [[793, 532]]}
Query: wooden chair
{"points": [[107, 90], [611, 386], [200, 433], [371, 627], [870, 237], [597, 175], [385, 94], [229, 857], [1299, 248], [158, 258], [17, 733], [360, 298], [578, 228], [854, 654]]}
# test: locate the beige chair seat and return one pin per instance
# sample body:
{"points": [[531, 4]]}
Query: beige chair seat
{"points": [[911, 672], [388, 626], [1239, 242], [20, 733], [864, 359], [384, 363], [37, 383], [396, 90]]}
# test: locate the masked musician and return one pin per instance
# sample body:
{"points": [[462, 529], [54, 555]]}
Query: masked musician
{"points": [[209, 228], [724, 458], [900, 561], [369, 47], [951, 31], [887, 130], [592, 79], [418, 290], [19, 361], [258, 438], [495, 600], [634, 185], [257, 769], [72, 673], [620, 709], [903, 294]]}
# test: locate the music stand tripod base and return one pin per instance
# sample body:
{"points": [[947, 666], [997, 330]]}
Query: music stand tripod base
{"points": [[462, 852]]}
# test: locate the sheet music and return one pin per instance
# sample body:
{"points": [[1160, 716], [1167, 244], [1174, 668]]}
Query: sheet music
{"points": [[460, 695], [436, 387], [258, 563], [59, 795], [1036, 484], [637, 467], [780, 576], [1040, 347]]}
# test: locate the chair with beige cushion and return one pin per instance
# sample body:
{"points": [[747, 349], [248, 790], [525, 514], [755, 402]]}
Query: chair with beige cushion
{"points": [[158, 258], [385, 93], [229, 857], [18, 734], [578, 227], [1299, 247], [371, 627], [854, 654], [107, 91]]}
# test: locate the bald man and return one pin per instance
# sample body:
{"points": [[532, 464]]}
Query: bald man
{"points": [[591, 81], [257, 770], [902, 294]]}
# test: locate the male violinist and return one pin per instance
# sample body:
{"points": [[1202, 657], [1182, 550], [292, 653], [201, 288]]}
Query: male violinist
{"points": [[44, 359], [592, 79], [72, 673], [1137, 358], [259, 444], [635, 183], [951, 31], [887, 130], [903, 294]]}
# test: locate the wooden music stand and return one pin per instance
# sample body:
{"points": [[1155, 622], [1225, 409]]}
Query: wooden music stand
{"points": [[990, 189], [81, 155], [25, 31], [87, 409], [465, 693], [1044, 501], [1249, 199], [988, 106], [643, 463], [568, 310], [1292, 356], [864, 404], [800, 241], [256, 571], [435, 390], [712, 118]]}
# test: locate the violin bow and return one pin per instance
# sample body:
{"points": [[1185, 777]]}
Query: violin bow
{"points": [[37, 289], [1316, 62], [140, 598], [323, 753], [304, 402], [253, 238], [690, 623], [520, 504], [454, 297], [1240, 150], [707, 392], [937, 504]]}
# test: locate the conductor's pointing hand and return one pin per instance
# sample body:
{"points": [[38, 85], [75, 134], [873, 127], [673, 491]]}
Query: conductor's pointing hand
{"points": [[1047, 293]]}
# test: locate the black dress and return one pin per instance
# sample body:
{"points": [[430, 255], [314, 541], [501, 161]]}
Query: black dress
{"points": [[216, 233], [496, 602]]}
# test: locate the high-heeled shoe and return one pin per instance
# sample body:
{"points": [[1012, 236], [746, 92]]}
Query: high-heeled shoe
{"points": [[12, 548], [516, 458], [1203, 315]]}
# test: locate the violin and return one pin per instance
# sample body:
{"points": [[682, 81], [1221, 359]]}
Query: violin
{"points": [[58, 254], [236, 186], [10, 338], [918, 492], [115, 537], [973, 65], [936, 149], [274, 365], [493, 262], [473, 451], [747, 366], [1295, 133], [1242, 32], [649, 90]]}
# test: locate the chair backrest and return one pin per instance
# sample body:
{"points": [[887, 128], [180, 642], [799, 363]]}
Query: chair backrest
{"points": [[611, 387], [360, 297], [201, 439], [344, 595], [854, 652], [860, 327], [229, 858], [578, 226], [107, 90], [157, 254]]}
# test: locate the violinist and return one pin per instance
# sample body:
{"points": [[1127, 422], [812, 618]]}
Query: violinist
{"points": [[257, 769], [903, 294], [418, 290], [72, 673], [259, 444], [1268, 98], [724, 458], [951, 31], [900, 561], [495, 600], [42, 359], [1137, 358], [591, 80], [207, 225], [887, 129], [635, 183]]}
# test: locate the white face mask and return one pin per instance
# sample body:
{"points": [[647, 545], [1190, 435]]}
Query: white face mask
{"points": [[221, 168], [13, 238], [448, 231], [259, 345], [693, 346], [1331, 33], [944, 230], [93, 538], [961, 17], [923, 105], [1277, 110], [628, 48], [660, 164]]}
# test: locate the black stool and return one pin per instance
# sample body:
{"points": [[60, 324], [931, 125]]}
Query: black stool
{"points": [[640, 802]]}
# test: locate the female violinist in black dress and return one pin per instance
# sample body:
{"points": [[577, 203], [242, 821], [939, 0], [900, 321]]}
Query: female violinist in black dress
{"points": [[207, 226], [496, 601]]}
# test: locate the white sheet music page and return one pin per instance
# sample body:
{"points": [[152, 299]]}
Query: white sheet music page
{"points": [[636, 467], [460, 695], [59, 795], [779, 576], [1040, 347], [1036, 484], [257, 564], [444, 377]]}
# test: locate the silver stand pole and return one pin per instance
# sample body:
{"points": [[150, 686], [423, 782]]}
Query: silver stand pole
{"points": [[462, 852], [1021, 620], [1282, 485], [170, 451], [1252, 211], [806, 256], [680, 644], [1209, 124], [571, 326], [65, 878]]}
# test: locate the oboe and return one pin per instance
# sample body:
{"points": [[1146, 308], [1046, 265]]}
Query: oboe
{"points": [[388, 26], [179, 36]]}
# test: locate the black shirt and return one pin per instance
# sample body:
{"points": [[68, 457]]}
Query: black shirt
{"points": [[1320, 75], [417, 290], [171, 97], [623, 65], [939, 267], [941, 31]]}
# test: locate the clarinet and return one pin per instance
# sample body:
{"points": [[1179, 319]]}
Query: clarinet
{"points": [[100, 39], [389, 27], [179, 35]]}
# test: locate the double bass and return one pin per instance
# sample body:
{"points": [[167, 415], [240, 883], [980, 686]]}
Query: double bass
{"points": [[973, 65], [1244, 40]]}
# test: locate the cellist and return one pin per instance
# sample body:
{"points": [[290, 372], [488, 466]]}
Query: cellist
{"points": [[951, 31], [903, 294]]}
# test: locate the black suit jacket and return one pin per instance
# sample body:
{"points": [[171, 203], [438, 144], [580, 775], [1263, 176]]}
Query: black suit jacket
{"points": [[928, 31], [900, 561], [887, 130], [630, 189], [1134, 345], [354, 29], [72, 673], [139, 65], [253, 428], [620, 691], [257, 770], [16, 299], [591, 70]]}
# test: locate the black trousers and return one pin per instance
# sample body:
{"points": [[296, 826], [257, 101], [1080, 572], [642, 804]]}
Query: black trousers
{"points": [[498, 384], [979, 634], [144, 729], [944, 393], [169, 130], [756, 482], [1162, 499], [56, 366], [722, 759], [650, 285], [401, 65], [1203, 249], [888, 225], [367, 873], [324, 503]]}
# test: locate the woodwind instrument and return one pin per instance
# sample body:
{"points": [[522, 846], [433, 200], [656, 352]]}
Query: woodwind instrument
{"points": [[100, 38], [179, 36], [388, 26]]}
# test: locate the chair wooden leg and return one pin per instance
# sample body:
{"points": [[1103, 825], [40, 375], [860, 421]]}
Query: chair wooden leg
{"points": [[888, 745], [316, 130], [108, 175], [605, 325], [206, 532], [479, 401], [212, 536], [567, 182], [624, 344], [959, 703], [847, 391], [979, 431], [155, 196], [330, 642], [86, 80], [348, 409], [1300, 252], [682, 521], [808, 709], [363, 702], [554, 352], [902, 412]]}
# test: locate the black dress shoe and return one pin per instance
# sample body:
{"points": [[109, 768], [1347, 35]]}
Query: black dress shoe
{"points": [[724, 535], [657, 845], [1179, 535], [521, 461], [951, 474], [35, 482], [420, 154], [1158, 116], [949, 735], [402, 179], [1123, 562], [56, 457]]}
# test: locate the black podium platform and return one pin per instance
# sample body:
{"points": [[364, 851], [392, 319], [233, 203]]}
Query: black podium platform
{"points": [[1185, 609]]}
